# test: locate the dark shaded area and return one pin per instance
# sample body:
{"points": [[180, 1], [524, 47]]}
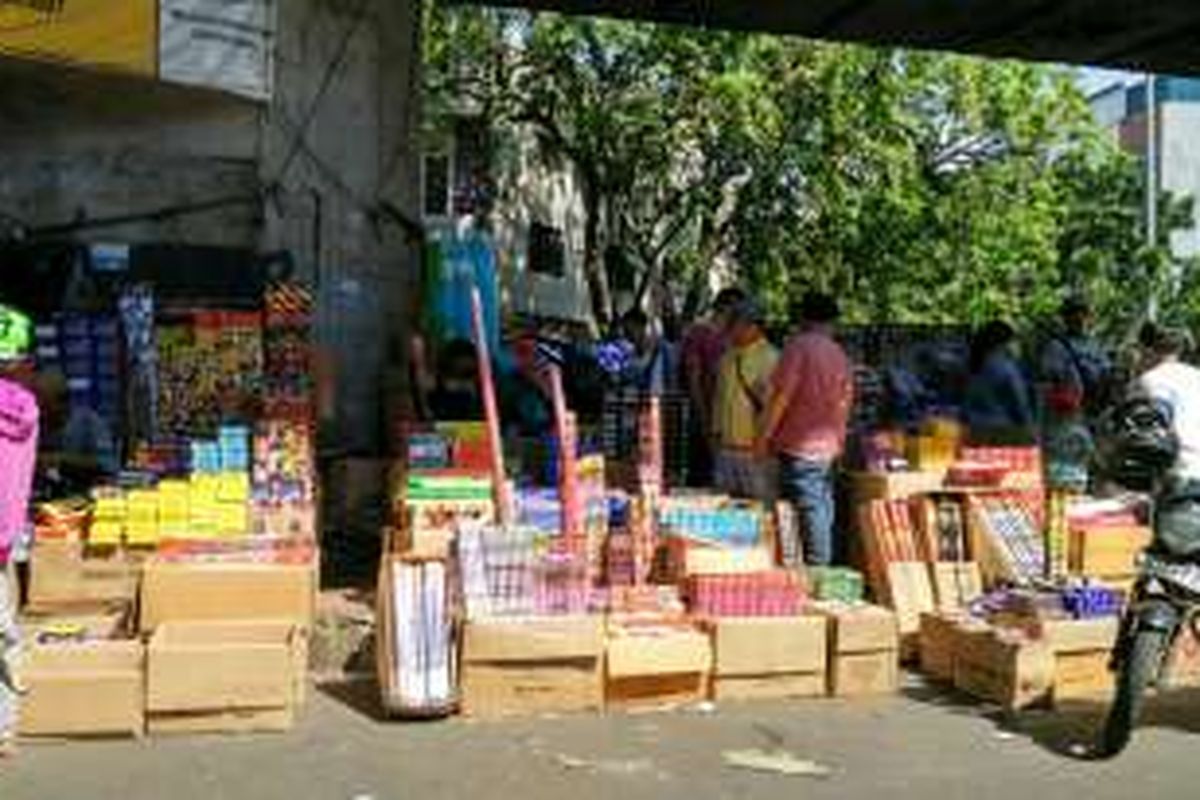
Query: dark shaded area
{"points": [[1070, 729], [1161, 36]]}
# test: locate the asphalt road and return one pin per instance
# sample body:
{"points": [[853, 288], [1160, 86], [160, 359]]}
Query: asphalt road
{"points": [[919, 745]]}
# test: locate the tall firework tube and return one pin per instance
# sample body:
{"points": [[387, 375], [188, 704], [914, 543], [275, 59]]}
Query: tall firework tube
{"points": [[491, 412], [568, 482]]}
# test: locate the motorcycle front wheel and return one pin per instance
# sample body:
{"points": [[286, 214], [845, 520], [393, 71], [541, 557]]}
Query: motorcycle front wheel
{"points": [[1137, 672]]}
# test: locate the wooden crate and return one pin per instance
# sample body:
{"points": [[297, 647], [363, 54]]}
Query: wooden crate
{"points": [[939, 643], [660, 666], [1082, 651], [1004, 667], [524, 667], [780, 686], [769, 657], [864, 650], [864, 674], [867, 486]]}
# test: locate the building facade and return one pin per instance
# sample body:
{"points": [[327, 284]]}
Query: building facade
{"points": [[1122, 108], [297, 137]]}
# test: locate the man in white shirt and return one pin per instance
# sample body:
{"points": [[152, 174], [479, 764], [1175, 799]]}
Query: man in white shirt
{"points": [[1176, 384]]}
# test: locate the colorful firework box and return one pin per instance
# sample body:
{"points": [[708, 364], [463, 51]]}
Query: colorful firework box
{"points": [[518, 571], [771, 593], [723, 522], [1005, 467]]}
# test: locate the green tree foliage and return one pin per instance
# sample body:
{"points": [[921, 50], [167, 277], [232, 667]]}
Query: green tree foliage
{"points": [[917, 187]]}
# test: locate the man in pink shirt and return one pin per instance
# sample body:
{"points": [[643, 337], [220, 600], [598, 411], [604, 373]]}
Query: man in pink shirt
{"points": [[807, 411]]}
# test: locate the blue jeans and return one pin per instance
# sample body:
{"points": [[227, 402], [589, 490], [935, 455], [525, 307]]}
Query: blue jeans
{"points": [[808, 484]]}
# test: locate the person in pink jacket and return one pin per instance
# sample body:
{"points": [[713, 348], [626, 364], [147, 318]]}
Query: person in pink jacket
{"points": [[18, 454]]}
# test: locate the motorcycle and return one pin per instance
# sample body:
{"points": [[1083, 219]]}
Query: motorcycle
{"points": [[1165, 601]]}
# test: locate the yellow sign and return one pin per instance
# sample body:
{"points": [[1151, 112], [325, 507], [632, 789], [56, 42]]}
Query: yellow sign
{"points": [[119, 35]]}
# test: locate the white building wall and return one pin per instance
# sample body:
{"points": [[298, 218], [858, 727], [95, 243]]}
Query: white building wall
{"points": [[537, 191], [1179, 137]]}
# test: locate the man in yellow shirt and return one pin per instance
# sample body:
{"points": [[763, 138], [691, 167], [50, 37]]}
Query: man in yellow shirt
{"points": [[742, 383]]}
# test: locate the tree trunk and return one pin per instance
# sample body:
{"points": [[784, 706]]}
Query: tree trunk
{"points": [[593, 260]]}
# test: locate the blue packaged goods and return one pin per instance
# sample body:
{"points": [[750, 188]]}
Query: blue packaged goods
{"points": [[731, 526], [205, 457], [428, 451], [1089, 602]]}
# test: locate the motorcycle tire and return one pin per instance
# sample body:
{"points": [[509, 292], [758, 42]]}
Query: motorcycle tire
{"points": [[1137, 672]]}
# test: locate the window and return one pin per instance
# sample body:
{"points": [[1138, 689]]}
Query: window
{"points": [[547, 253], [435, 185]]}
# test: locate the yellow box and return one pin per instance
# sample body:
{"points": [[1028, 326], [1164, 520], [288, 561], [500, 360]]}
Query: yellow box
{"points": [[205, 489], [233, 487], [110, 508], [233, 520], [105, 532]]}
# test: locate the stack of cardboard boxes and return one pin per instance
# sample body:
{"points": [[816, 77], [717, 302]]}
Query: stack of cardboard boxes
{"points": [[217, 647]]}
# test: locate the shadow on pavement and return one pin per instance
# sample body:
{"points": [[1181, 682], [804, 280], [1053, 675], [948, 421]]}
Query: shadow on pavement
{"points": [[360, 695], [1069, 730]]}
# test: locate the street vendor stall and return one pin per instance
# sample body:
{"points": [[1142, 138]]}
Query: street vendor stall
{"points": [[173, 558]]}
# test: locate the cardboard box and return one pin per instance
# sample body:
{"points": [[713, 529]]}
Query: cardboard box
{"points": [[769, 687], [1107, 552], [656, 691], [196, 592], [90, 689], [201, 666], [658, 652], [864, 649], [533, 639], [758, 647], [61, 576], [867, 486], [656, 666], [99, 622], [860, 628], [527, 689], [910, 594], [532, 666], [1079, 635], [1004, 668], [864, 674], [1083, 676], [1082, 650], [256, 720], [210, 675]]}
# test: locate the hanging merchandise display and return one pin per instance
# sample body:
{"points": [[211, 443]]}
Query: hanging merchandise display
{"points": [[456, 264], [136, 307], [210, 370]]}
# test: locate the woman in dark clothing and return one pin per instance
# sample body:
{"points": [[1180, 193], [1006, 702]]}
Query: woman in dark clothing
{"points": [[998, 407]]}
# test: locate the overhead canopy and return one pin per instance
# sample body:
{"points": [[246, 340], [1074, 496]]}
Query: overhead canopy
{"points": [[1157, 35]]}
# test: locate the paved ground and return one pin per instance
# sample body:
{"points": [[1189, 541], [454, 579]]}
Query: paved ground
{"points": [[920, 745]]}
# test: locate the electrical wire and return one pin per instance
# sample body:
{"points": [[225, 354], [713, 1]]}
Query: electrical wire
{"points": [[332, 69]]}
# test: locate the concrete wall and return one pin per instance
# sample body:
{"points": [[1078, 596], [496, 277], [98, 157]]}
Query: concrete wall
{"points": [[78, 146]]}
